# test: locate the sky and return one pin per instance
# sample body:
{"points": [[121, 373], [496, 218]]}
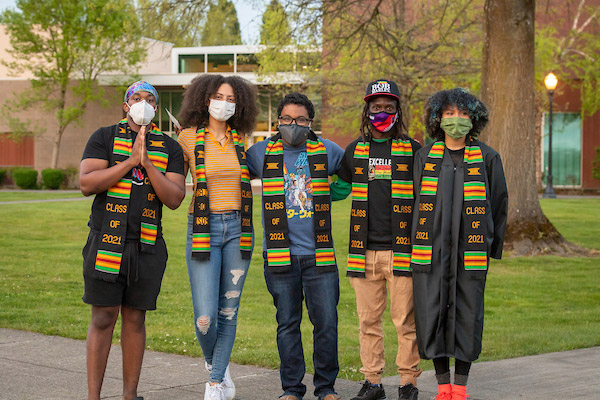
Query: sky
{"points": [[249, 14]]}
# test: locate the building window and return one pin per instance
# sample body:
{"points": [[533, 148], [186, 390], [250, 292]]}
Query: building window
{"points": [[172, 100], [191, 63], [220, 63], [566, 149], [247, 62]]}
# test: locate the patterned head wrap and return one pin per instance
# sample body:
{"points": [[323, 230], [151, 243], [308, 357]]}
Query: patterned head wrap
{"points": [[140, 86]]}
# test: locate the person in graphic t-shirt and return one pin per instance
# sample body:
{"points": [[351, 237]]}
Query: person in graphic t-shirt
{"points": [[295, 166], [133, 169], [377, 170]]}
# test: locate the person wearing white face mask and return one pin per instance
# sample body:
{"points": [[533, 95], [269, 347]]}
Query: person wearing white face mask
{"points": [[217, 112], [133, 169]]}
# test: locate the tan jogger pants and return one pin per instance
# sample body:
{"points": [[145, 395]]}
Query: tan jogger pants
{"points": [[371, 301]]}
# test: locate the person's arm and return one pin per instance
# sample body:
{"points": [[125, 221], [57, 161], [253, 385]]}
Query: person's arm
{"points": [[254, 159], [340, 189], [336, 154], [170, 187], [499, 203]]}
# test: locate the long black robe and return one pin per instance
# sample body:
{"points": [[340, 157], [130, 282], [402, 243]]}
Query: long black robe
{"points": [[449, 300]]}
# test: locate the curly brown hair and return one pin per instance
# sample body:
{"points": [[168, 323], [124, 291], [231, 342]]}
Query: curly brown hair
{"points": [[194, 110]]}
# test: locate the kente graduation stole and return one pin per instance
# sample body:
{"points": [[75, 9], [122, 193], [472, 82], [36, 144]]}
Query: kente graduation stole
{"points": [[114, 224], [201, 231], [275, 213], [401, 213], [473, 213]]}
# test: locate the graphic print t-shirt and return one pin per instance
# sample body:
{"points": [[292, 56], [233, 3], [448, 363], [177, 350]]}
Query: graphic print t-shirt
{"points": [[380, 196], [379, 236], [298, 189]]}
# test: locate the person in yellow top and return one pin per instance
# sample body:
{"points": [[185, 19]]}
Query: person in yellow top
{"points": [[218, 111]]}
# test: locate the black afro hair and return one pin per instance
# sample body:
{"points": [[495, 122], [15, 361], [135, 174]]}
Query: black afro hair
{"points": [[194, 110], [465, 101]]}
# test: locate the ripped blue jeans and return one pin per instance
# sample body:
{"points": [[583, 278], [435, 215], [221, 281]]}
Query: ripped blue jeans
{"points": [[216, 289]]}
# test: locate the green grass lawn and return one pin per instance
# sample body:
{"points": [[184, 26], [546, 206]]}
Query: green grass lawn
{"points": [[37, 195], [533, 305]]}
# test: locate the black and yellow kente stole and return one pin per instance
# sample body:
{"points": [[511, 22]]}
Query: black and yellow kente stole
{"points": [[402, 202], [473, 213], [114, 224], [275, 213], [201, 230]]}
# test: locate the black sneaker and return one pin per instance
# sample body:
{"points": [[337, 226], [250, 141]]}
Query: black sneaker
{"points": [[368, 392], [408, 391]]}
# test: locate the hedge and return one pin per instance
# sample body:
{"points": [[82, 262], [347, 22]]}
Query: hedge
{"points": [[52, 178], [25, 178]]}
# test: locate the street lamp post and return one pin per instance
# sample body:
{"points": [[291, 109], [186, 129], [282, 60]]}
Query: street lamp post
{"points": [[550, 82]]}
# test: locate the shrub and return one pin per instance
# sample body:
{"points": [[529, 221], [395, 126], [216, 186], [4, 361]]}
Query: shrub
{"points": [[2, 175], [25, 178], [52, 178], [72, 177]]}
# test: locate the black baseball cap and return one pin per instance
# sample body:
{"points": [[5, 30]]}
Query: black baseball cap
{"points": [[382, 87]]}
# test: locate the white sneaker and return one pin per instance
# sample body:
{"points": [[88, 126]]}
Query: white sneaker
{"points": [[228, 386], [213, 392]]}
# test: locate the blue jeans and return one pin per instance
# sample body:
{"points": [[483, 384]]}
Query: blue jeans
{"points": [[322, 291], [216, 289]]}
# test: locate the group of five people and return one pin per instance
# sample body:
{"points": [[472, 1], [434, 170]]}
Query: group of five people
{"points": [[424, 223]]}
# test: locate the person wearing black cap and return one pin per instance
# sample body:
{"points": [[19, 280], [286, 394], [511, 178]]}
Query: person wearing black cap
{"points": [[377, 170]]}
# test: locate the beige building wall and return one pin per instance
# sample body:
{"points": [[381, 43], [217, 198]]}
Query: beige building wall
{"points": [[75, 137]]}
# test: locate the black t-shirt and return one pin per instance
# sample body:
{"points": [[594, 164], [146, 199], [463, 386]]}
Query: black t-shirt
{"points": [[379, 236], [100, 145], [457, 155]]}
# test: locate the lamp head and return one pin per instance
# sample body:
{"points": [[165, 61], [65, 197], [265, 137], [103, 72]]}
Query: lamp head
{"points": [[550, 81]]}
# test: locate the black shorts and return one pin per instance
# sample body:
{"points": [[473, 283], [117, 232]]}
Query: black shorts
{"points": [[139, 280]]}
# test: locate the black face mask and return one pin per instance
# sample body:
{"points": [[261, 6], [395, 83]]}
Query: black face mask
{"points": [[293, 134]]}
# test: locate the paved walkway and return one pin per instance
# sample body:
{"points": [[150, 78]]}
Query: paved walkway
{"points": [[35, 366]]}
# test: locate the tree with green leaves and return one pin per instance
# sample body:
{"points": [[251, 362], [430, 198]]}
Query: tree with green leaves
{"points": [[275, 27], [222, 26], [284, 63], [173, 21], [438, 45], [420, 47], [66, 45], [508, 89], [571, 49]]}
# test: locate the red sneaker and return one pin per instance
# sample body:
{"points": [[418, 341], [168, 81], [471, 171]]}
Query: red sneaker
{"points": [[459, 392], [444, 392]]}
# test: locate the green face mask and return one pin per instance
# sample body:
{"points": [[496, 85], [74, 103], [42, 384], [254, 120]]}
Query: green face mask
{"points": [[456, 127]]}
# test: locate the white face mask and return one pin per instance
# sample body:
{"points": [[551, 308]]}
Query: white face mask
{"points": [[221, 110], [141, 113]]}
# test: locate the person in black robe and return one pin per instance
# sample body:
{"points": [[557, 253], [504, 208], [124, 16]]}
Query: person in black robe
{"points": [[449, 292]]}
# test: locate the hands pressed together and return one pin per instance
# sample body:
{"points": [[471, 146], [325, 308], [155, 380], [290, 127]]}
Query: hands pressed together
{"points": [[139, 154]]}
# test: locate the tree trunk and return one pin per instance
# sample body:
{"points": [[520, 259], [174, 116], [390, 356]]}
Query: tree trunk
{"points": [[56, 146], [508, 91]]}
